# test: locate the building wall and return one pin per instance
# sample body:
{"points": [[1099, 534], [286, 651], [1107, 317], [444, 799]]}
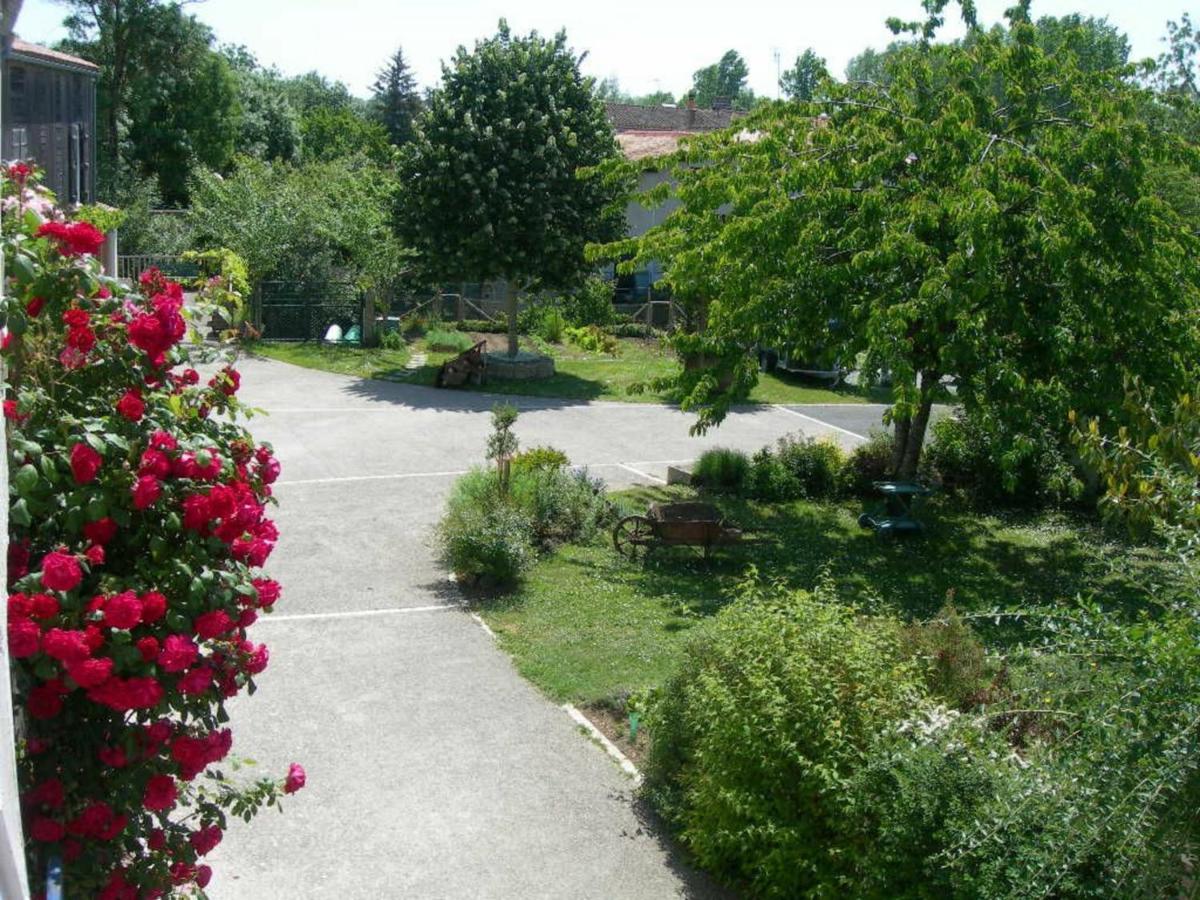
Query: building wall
{"points": [[48, 115]]}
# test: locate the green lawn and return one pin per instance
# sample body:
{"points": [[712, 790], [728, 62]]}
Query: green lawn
{"points": [[587, 625], [579, 375]]}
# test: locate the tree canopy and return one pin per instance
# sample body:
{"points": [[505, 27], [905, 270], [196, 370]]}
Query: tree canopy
{"points": [[802, 81], [725, 79], [988, 217], [395, 102], [492, 183]]}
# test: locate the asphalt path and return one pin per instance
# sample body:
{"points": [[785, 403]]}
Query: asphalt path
{"points": [[434, 769]]}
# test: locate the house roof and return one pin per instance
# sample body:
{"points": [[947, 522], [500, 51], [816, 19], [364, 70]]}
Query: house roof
{"points": [[628, 117], [38, 53], [637, 145]]}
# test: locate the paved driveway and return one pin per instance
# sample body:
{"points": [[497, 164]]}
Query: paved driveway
{"points": [[435, 771]]}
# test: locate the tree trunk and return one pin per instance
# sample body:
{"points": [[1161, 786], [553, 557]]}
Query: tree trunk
{"points": [[510, 304], [910, 433]]}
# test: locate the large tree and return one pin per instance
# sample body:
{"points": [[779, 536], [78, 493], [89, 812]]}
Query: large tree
{"points": [[802, 81], [167, 100], [395, 101], [494, 190], [724, 79], [988, 218], [269, 127]]}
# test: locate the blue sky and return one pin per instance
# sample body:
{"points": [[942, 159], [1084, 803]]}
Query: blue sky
{"points": [[647, 45]]}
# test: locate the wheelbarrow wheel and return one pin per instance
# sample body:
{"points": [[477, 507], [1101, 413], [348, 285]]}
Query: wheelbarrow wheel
{"points": [[632, 536]]}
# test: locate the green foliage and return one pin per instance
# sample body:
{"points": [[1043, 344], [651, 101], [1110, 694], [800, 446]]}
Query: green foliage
{"points": [[320, 222], [590, 304], [502, 444], [964, 458], [481, 538], [395, 102], [1150, 466], [392, 340], [538, 459], [721, 469], [333, 134], [772, 710], [269, 126], [953, 661], [866, 464], [563, 506], [483, 326], [440, 341], [803, 80], [725, 79], [549, 325], [990, 215], [145, 231], [224, 284], [492, 189], [104, 218], [593, 339], [798, 468]]}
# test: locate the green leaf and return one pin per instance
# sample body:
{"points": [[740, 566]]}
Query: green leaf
{"points": [[18, 514]]}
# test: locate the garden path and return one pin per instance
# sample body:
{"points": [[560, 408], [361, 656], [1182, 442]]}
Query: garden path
{"points": [[434, 769]]}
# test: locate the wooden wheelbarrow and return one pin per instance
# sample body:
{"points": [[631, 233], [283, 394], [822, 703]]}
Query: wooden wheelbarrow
{"points": [[470, 365], [673, 524]]}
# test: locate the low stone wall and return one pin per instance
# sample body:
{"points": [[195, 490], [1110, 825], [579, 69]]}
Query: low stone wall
{"points": [[522, 367]]}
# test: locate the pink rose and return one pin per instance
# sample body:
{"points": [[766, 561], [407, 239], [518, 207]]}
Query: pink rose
{"points": [[295, 780]]}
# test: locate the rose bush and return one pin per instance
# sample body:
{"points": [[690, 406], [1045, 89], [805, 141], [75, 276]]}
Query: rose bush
{"points": [[137, 533]]}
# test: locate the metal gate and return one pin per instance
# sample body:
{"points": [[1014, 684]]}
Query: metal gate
{"points": [[304, 311]]}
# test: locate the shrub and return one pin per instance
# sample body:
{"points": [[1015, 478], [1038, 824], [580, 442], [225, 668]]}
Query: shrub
{"points": [[866, 464], [482, 326], [952, 659], [593, 340], [441, 341], [550, 326], [721, 469], [799, 467], [562, 506], [772, 710], [770, 480], [392, 340], [632, 330], [590, 304], [536, 458], [137, 533], [485, 544]]}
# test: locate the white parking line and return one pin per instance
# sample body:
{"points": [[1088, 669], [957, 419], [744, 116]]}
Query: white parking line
{"points": [[372, 477], [853, 434], [601, 738], [641, 474], [360, 613]]}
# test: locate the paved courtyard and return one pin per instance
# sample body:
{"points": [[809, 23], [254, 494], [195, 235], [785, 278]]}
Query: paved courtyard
{"points": [[434, 770]]}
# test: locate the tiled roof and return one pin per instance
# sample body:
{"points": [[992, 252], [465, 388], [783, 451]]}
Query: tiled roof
{"points": [[35, 51], [648, 144], [627, 117]]}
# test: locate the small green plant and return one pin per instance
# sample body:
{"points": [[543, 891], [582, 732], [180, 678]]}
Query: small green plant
{"points": [[392, 340], [590, 304], [540, 458], [482, 326], [550, 326], [441, 341], [502, 444], [866, 464], [103, 218], [593, 339], [414, 325], [562, 506], [797, 468], [721, 469], [487, 544]]}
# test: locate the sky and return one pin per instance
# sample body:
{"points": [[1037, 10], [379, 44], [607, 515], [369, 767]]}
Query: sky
{"points": [[647, 45]]}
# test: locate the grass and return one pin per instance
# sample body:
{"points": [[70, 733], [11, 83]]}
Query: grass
{"points": [[587, 626], [579, 375]]}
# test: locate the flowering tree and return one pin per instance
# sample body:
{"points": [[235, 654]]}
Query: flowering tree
{"points": [[137, 533]]}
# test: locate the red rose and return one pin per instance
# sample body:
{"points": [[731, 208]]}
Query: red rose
{"points": [[19, 606], [257, 658], [113, 756], [247, 618], [73, 238], [101, 531], [49, 793], [156, 463], [269, 471], [203, 875], [48, 830], [191, 754], [126, 694], [43, 606], [60, 571], [76, 318], [295, 780], [157, 839], [196, 512], [34, 306], [160, 793], [94, 554], [45, 700], [154, 606], [212, 624], [131, 406], [11, 412], [146, 333], [205, 840], [161, 440], [146, 490], [93, 637], [227, 381], [24, 638], [123, 611], [268, 591], [196, 681], [178, 653], [66, 645], [148, 648], [89, 673], [85, 463]]}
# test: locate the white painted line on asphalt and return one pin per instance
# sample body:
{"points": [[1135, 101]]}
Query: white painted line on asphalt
{"points": [[853, 434], [386, 407], [371, 478], [609, 747], [361, 613], [484, 625], [641, 474]]}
